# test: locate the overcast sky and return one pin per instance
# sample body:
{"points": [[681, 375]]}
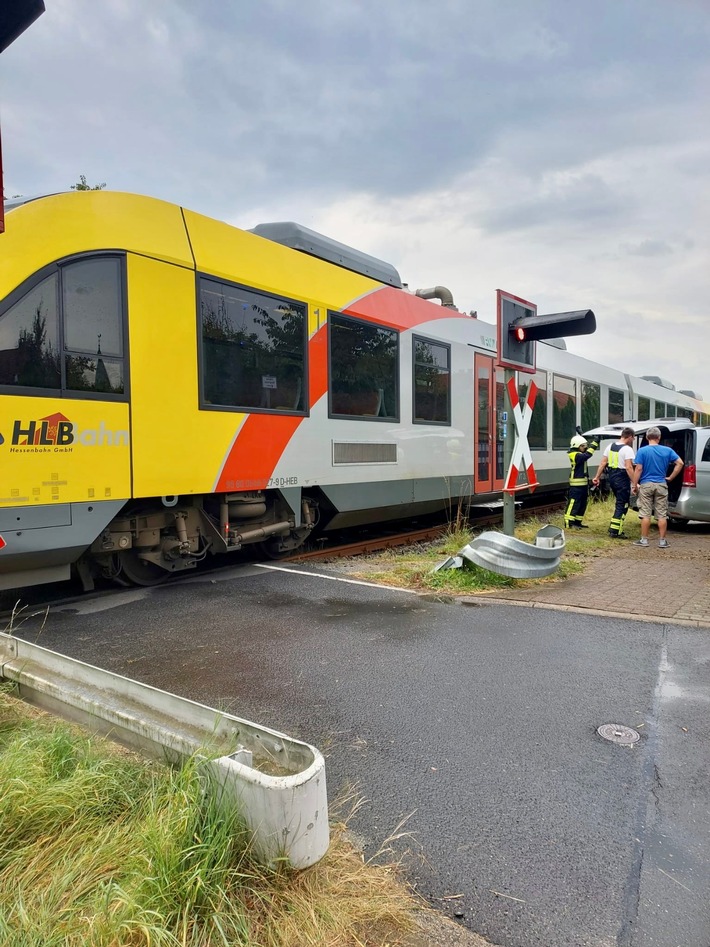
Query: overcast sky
{"points": [[555, 149]]}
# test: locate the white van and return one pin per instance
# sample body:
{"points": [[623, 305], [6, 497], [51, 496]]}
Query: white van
{"points": [[689, 493]]}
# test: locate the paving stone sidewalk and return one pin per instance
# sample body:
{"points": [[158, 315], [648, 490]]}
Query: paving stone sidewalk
{"points": [[640, 582]]}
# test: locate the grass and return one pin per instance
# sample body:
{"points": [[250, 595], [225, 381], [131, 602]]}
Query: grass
{"points": [[412, 567], [100, 847]]}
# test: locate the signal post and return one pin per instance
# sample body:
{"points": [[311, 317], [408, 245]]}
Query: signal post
{"points": [[519, 328]]}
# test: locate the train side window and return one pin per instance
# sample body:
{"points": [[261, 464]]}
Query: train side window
{"points": [[93, 325], [253, 349], [591, 405], [644, 411], [564, 411], [537, 432], [65, 334], [616, 406], [29, 339], [659, 409], [432, 382], [364, 368]]}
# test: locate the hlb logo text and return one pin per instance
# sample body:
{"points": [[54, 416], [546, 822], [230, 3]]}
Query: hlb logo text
{"points": [[60, 433], [42, 432]]}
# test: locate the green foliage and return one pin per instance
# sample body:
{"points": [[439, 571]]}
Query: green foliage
{"points": [[81, 185], [106, 849], [412, 567], [99, 847]]}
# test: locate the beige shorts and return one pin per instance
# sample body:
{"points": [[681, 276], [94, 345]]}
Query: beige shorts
{"points": [[653, 496]]}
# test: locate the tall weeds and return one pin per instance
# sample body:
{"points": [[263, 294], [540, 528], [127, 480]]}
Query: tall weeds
{"points": [[99, 847]]}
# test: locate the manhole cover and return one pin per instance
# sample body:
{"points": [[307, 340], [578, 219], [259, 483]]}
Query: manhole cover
{"points": [[618, 733]]}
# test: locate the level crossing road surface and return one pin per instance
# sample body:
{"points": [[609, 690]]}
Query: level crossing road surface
{"points": [[475, 725]]}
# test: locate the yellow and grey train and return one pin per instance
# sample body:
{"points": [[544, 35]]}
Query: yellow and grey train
{"points": [[173, 388]]}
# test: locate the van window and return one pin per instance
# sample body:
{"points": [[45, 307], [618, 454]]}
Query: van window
{"points": [[706, 452]]}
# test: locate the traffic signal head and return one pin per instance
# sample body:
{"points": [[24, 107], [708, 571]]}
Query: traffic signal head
{"points": [[520, 327], [515, 350], [553, 325]]}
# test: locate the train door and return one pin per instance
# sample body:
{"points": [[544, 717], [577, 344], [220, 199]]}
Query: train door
{"points": [[488, 406]]}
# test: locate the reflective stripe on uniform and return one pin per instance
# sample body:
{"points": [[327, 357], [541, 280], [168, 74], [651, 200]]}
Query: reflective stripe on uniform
{"points": [[614, 456]]}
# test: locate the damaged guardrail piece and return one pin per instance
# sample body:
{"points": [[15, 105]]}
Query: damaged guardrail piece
{"points": [[277, 783], [509, 556]]}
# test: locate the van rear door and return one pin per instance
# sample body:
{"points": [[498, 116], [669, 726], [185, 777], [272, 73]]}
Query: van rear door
{"points": [[701, 502]]}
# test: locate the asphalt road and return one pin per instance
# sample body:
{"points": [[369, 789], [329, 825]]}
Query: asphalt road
{"points": [[476, 725]]}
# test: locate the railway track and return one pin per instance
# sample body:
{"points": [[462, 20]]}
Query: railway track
{"points": [[408, 537], [40, 598]]}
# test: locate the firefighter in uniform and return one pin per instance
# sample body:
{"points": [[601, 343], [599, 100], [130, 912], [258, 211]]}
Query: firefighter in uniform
{"points": [[579, 455], [619, 458]]}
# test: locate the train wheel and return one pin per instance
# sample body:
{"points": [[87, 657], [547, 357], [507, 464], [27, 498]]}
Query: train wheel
{"points": [[270, 548], [139, 571]]}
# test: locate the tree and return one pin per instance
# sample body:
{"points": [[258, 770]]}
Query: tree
{"points": [[81, 185], [37, 365]]}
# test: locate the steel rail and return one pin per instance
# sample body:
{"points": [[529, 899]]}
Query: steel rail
{"points": [[409, 537]]}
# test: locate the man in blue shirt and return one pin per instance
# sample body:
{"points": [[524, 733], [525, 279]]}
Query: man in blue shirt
{"points": [[651, 481]]}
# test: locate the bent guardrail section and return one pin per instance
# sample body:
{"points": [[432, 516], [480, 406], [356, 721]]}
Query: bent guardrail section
{"points": [[509, 556], [277, 783]]}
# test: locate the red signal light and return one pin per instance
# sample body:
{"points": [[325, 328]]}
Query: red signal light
{"points": [[519, 334]]}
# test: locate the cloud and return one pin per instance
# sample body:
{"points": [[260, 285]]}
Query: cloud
{"points": [[557, 150], [649, 248]]}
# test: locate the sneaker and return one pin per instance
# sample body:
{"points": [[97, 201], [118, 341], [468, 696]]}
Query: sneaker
{"points": [[641, 542], [663, 543]]}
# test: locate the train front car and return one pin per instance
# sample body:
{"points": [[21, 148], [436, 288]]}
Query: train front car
{"points": [[65, 465], [112, 459], [174, 387]]}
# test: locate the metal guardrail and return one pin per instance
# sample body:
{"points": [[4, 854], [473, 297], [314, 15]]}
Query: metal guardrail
{"points": [[509, 556], [277, 783]]}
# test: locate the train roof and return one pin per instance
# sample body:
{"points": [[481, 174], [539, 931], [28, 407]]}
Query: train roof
{"points": [[297, 237]]}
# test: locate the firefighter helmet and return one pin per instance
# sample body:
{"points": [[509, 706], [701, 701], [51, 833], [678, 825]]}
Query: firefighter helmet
{"points": [[578, 441]]}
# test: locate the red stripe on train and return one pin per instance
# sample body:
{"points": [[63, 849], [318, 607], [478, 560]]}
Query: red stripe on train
{"points": [[264, 437], [398, 310]]}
